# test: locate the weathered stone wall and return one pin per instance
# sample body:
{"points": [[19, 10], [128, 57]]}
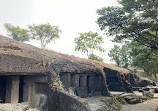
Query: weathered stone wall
{"points": [[137, 80], [62, 101], [82, 84], [35, 91], [15, 64], [114, 80], [66, 79]]}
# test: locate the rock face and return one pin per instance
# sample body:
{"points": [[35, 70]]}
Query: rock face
{"points": [[62, 101], [138, 81]]}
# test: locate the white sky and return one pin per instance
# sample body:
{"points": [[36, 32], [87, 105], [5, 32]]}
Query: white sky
{"points": [[72, 17]]}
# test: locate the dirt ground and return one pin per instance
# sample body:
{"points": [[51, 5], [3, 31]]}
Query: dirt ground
{"points": [[149, 105]]}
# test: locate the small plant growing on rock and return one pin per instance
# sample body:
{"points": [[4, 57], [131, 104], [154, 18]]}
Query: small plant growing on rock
{"points": [[71, 91], [56, 82]]}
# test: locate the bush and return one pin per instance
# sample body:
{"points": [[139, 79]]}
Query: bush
{"points": [[95, 57]]}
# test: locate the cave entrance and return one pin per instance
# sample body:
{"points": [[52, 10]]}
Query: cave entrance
{"points": [[88, 84], [3, 80], [88, 80], [72, 80], [21, 88], [113, 82], [80, 81]]}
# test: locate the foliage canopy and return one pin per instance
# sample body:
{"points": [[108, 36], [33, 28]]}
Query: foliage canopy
{"points": [[95, 57], [145, 58], [17, 33], [88, 42], [46, 33], [134, 20], [121, 55]]}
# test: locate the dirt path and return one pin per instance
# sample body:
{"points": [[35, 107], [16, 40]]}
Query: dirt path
{"points": [[95, 104], [149, 105]]}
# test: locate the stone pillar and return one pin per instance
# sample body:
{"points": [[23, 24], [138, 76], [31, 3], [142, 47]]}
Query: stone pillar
{"points": [[92, 83], [8, 90], [76, 80], [12, 92], [69, 79], [27, 89], [97, 82], [15, 90], [83, 81]]}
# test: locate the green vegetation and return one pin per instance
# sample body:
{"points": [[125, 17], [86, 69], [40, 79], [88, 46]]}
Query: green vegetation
{"points": [[95, 57], [144, 74], [71, 91], [121, 55], [132, 20], [137, 57], [115, 55], [145, 59], [46, 33], [56, 82], [88, 43], [17, 33]]}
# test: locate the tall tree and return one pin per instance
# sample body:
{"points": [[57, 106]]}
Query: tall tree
{"points": [[115, 55], [17, 33], [46, 33], [89, 42], [134, 20], [121, 55]]}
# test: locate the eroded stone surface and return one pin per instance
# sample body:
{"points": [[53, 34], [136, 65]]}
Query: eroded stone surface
{"points": [[16, 107]]}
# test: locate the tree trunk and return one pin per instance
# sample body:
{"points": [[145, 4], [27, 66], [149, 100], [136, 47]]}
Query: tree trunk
{"points": [[155, 77]]}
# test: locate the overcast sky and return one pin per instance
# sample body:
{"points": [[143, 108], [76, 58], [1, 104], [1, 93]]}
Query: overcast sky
{"points": [[72, 17]]}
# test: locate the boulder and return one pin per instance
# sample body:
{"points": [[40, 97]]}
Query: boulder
{"points": [[131, 98], [148, 93]]}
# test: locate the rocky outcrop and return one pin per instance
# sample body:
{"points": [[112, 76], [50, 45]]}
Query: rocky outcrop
{"points": [[138, 81], [130, 98], [63, 101]]}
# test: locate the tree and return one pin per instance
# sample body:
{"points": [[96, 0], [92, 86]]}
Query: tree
{"points": [[115, 55], [145, 58], [46, 33], [17, 33], [121, 55], [133, 20], [95, 57], [88, 42]]}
